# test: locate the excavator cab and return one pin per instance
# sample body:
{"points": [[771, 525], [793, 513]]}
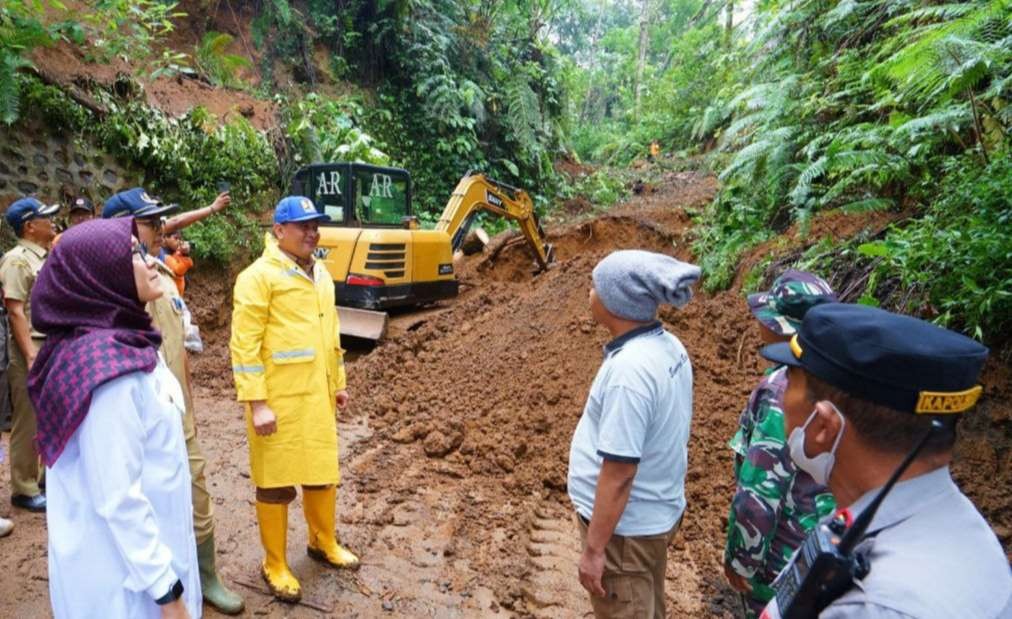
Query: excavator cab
{"points": [[357, 194], [373, 247]]}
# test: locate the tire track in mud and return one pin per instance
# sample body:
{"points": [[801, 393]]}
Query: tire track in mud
{"points": [[550, 586], [490, 390]]}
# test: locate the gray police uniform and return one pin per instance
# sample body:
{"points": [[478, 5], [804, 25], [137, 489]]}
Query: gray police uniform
{"points": [[931, 554]]}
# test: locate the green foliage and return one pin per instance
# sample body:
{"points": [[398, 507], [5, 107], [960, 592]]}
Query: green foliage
{"points": [[130, 30], [10, 108], [857, 106], [459, 85], [603, 188], [214, 60], [21, 29], [957, 259], [325, 130], [110, 28], [683, 71], [62, 114], [184, 158]]}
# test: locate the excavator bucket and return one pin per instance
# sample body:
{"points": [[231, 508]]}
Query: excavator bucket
{"points": [[549, 258], [365, 324]]}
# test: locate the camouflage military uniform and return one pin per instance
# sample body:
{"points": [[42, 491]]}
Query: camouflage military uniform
{"points": [[775, 505]]}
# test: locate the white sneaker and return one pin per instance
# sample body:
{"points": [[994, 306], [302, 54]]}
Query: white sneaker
{"points": [[6, 526]]}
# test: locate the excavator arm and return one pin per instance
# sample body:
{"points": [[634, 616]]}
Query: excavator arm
{"points": [[475, 193]]}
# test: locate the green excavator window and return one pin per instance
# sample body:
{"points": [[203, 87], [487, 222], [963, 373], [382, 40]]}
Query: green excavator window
{"points": [[381, 198], [354, 194]]}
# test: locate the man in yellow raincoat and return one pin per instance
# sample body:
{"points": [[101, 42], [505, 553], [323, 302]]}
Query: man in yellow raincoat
{"points": [[289, 370]]}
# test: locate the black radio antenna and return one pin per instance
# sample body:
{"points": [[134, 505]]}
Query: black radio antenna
{"points": [[856, 530]]}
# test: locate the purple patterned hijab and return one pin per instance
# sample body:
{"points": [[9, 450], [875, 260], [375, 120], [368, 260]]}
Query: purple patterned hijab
{"points": [[85, 301]]}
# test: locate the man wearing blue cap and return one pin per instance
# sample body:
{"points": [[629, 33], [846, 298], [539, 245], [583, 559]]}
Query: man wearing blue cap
{"points": [[32, 222], [138, 203], [167, 315], [289, 371], [864, 387]]}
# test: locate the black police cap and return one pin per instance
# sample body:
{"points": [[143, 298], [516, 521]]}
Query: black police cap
{"points": [[897, 361]]}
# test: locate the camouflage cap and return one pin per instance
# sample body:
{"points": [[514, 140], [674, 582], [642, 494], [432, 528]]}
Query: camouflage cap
{"points": [[783, 307]]}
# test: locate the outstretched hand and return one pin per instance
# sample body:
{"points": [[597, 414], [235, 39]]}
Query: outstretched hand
{"points": [[221, 202]]}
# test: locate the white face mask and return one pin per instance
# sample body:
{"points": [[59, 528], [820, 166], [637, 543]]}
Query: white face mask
{"points": [[821, 465]]}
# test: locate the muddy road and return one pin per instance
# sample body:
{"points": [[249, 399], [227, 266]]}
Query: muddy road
{"points": [[454, 450]]}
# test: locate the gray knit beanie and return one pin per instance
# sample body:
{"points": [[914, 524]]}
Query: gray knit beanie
{"points": [[632, 283]]}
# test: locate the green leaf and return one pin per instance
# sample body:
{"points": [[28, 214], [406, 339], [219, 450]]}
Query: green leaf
{"points": [[875, 249], [512, 167], [867, 299]]}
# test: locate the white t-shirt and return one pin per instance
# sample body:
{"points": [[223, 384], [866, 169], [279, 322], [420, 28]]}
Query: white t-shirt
{"points": [[639, 410]]}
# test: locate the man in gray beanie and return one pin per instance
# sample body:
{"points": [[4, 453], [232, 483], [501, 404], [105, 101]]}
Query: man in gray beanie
{"points": [[628, 457]]}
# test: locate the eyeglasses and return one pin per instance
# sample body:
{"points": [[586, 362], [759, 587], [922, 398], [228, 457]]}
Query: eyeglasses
{"points": [[153, 223]]}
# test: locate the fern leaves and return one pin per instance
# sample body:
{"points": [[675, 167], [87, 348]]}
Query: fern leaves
{"points": [[523, 114], [851, 129], [215, 61], [953, 49], [10, 107]]}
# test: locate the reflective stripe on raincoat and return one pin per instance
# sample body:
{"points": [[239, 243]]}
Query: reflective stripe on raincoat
{"points": [[286, 350]]}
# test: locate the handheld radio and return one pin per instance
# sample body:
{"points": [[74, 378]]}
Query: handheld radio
{"points": [[825, 566]]}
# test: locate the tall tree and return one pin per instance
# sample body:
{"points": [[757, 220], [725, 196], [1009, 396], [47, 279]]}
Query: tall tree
{"points": [[641, 60], [729, 23]]}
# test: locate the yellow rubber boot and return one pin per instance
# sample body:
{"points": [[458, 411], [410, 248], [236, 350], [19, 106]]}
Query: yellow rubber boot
{"points": [[319, 506], [273, 519]]}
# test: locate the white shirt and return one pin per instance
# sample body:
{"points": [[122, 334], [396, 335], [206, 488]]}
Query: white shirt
{"points": [[639, 410], [119, 512]]}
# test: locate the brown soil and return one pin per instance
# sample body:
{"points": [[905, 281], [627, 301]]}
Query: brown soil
{"points": [[454, 451], [65, 65], [835, 225], [573, 169]]}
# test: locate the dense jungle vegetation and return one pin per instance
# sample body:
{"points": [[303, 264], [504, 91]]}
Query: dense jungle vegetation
{"points": [[798, 106]]}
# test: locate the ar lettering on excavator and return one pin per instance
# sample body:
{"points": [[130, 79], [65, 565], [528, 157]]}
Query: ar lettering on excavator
{"points": [[381, 186], [331, 187]]}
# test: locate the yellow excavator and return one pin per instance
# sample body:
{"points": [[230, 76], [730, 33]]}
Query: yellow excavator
{"points": [[375, 249]]}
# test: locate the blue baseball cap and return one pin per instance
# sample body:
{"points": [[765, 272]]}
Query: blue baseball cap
{"points": [[27, 209], [136, 203], [292, 209], [906, 364]]}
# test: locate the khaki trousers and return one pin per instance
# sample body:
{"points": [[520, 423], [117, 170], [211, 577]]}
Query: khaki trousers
{"points": [[633, 580], [26, 468], [203, 513]]}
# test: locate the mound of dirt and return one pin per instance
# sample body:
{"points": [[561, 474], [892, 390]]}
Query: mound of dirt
{"points": [[494, 387], [454, 453]]}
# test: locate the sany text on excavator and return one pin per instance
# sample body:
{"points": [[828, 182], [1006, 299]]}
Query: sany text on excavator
{"points": [[375, 250]]}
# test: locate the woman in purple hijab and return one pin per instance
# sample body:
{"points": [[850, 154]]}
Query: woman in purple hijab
{"points": [[110, 434]]}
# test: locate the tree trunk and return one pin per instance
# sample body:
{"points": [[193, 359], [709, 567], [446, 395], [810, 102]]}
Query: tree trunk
{"points": [[596, 33], [642, 59], [729, 23]]}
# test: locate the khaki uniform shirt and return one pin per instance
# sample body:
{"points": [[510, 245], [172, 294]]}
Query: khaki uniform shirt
{"points": [[167, 315], [18, 270]]}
